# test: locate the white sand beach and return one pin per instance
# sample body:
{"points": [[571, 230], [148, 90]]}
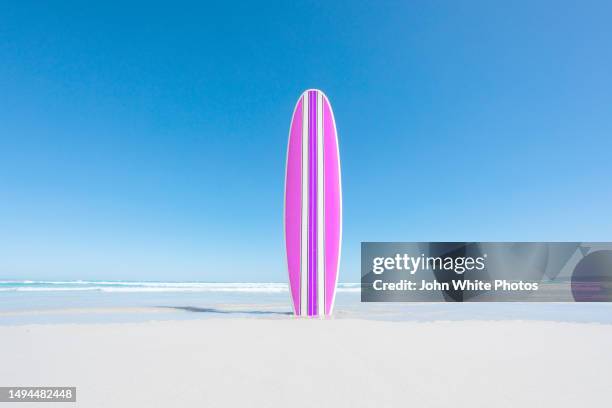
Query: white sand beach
{"points": [[241, 362]]}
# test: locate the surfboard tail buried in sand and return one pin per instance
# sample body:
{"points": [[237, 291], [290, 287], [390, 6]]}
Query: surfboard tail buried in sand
{"points": [[313, 206]]}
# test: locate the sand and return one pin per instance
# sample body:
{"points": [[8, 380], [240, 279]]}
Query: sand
{"points": [[302, 363]]}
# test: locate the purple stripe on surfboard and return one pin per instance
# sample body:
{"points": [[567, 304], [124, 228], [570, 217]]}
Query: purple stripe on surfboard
{"points": [[312, 203], [293, 204]]}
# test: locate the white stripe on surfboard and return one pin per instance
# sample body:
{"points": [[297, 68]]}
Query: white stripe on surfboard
{"points": [[320, 211], [304, 218]]}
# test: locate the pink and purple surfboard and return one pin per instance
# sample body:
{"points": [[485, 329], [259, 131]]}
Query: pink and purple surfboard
{"points": [[313, 206]]}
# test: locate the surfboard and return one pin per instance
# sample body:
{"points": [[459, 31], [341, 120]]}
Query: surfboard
{"points": [[313, 206]]}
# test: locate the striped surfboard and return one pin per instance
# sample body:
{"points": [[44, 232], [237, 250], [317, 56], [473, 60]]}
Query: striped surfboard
{"points": [[313, 206]]}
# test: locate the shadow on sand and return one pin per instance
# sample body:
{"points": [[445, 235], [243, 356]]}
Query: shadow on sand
{"points": [[221, 311]]}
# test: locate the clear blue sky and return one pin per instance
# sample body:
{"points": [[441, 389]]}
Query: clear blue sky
{"points": [[147, 141]]}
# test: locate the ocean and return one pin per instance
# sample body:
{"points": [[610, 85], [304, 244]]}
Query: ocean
{"points": [[51, 302]]}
